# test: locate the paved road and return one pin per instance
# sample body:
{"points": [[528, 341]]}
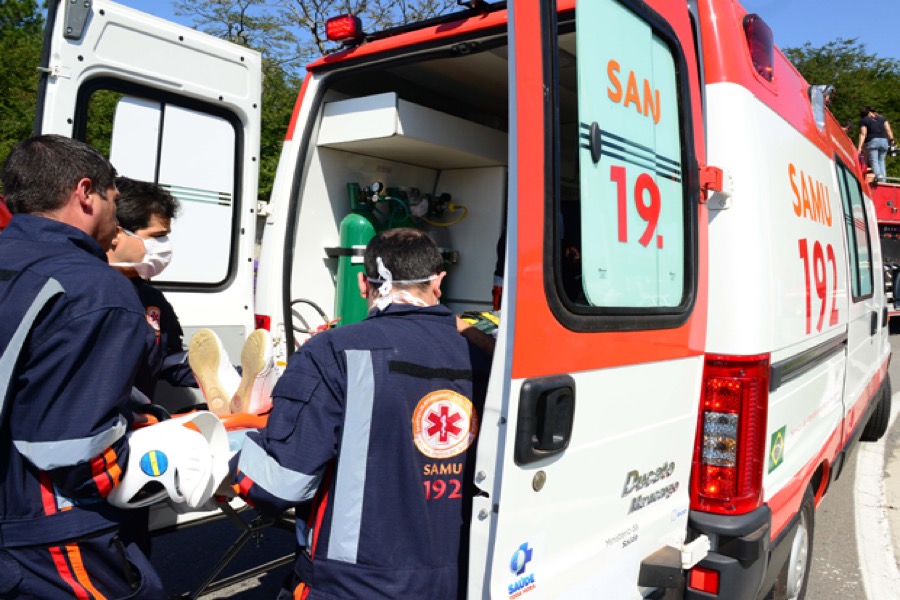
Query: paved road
{"points": [[838, 572]]}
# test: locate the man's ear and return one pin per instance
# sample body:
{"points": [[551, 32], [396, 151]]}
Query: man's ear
{"points": [[363, 285], [82, 192], [115, 241], [436, 284]]}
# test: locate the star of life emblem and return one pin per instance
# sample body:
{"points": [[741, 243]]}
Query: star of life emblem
{"points": [[444, 424], [153, 317]]}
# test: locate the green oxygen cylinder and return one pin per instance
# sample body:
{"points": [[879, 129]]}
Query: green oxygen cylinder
{"points": [[356, 229]]}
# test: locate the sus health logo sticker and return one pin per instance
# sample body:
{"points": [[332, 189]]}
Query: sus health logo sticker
{"points": [[444, 424]]}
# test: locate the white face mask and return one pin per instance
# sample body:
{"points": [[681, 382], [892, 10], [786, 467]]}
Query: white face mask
{"points": [[157, 256]]}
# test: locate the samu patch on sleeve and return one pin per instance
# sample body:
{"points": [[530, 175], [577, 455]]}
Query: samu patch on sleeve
{"points": [[444, 424]]}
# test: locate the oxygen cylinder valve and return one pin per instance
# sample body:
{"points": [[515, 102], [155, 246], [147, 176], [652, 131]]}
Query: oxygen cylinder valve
{"points": [[440, 204], [376, 191]]}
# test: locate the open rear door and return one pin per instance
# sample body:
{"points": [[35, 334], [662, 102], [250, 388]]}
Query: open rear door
{"points": [[170, 105], [586, 449]]}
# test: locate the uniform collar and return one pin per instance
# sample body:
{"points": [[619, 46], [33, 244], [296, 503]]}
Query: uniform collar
{"points": [[399, 309], [35, 228]]}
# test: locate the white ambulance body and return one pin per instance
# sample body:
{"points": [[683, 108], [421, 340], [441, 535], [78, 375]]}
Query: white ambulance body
{"points": [[686, 353]]}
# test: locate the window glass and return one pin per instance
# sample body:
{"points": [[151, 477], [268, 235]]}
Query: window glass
{"points": [[857, 234], [190, 153], [628, 203]]}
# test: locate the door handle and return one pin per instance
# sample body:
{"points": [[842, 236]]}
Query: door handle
{"points": [[546, 416], [874, 322]]}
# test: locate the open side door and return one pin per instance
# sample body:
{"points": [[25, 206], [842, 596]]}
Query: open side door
{"points": [[180, 108], [585, 456]]}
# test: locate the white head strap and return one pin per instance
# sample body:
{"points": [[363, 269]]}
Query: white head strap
{"points": [[386, 295]]}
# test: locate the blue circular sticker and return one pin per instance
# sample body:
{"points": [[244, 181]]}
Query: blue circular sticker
{"points": [[154, 463]]}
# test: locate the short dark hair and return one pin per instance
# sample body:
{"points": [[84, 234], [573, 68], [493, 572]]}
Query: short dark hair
{"points": [[140, 200], [865, 111], [407, 253], [41, 172]]}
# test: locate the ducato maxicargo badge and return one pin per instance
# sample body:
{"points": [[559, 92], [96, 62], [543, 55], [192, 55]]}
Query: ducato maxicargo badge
{"points": [[444, 424]]}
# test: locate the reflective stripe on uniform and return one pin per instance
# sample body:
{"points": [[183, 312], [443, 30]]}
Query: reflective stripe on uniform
{"points": [[67, 453], [11, 355], [265, 471], [350, 478]]}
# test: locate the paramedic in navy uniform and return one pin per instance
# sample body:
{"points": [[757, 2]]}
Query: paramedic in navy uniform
{"points": [[375, 424], [71, 338], [145, 212]]}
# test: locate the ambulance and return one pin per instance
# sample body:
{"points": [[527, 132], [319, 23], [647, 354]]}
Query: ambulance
{"points": [[692, 320]]}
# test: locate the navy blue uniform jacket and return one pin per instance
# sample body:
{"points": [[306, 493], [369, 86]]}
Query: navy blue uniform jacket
{"points": [[376, 422], [62, 442], [167, 357]]}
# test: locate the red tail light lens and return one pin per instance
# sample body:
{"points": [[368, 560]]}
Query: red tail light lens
{"points": [[730, 452], [761, 44], [344, 28], [704, 580], [263, 322]]}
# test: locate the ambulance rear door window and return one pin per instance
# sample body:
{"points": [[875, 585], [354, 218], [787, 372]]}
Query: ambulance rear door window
{"points": [[190, 149], [626, 226]]}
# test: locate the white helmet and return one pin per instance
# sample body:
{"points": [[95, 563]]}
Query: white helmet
{"points": [[181, 460]]}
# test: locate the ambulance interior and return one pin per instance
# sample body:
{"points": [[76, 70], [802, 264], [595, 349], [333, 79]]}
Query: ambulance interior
{"points": [[427, 139]]}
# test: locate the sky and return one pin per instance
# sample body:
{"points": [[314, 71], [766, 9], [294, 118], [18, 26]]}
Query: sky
{"points": [[793, 22]]}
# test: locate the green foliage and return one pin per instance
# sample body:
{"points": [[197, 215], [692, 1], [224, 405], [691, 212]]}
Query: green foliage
{"points": [[278, 97], [860, 79], [21, 25], [101, 111]]}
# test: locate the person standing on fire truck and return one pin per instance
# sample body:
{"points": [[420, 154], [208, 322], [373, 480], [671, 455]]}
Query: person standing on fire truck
{"points": [[876, 137], [375, 422]]}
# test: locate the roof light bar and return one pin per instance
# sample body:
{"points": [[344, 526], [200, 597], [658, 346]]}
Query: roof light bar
{"points": [[344, 28], [761, 44]]}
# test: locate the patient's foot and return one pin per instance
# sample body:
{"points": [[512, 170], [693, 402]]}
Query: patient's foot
{"points": [[258, 376], [217, 377]]}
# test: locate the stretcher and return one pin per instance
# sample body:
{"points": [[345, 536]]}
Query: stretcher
{"points": [[164, 519]]}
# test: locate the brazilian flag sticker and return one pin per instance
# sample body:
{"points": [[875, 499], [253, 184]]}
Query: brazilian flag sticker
{"points": [[776, 449], [154, 463]]}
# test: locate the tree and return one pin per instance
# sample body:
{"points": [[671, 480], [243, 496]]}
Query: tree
{"points": [[249, 23], [278, 97], [21, 26], [860, 79]]}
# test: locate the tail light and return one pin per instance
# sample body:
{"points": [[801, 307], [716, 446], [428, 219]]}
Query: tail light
{"points": [[761, 44], [704, 580], [730, 452], [263, 322], [345, 28]]}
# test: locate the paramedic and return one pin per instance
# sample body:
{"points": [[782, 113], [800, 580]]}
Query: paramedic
{"points": [[67, 360], [876, 136], [145, 212], [141, 250], [375, 423]]}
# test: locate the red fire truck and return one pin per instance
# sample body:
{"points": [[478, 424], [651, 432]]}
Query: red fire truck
{"points": [[886, 197]]}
